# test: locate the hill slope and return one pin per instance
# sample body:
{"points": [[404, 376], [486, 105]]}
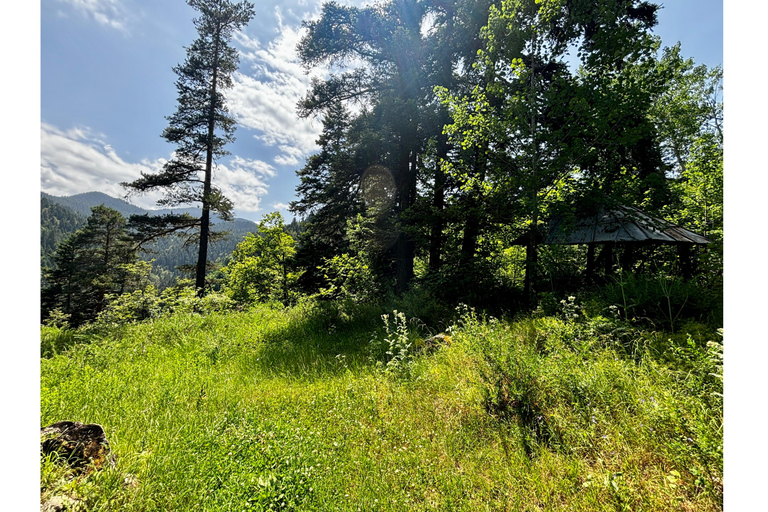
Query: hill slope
{"points": [[61, 216], [57, 222]]}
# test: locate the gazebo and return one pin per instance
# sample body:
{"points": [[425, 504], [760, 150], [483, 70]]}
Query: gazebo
{"points": [[623, 226]]}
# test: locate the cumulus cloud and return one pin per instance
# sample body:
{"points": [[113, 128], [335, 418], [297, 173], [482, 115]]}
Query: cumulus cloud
{"points": [[79, 160], [244, 182], [264, 97], [110, 13]]}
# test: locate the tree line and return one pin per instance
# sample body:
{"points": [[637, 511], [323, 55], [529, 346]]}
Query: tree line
{"points": [[453, 128], [452, 131]]}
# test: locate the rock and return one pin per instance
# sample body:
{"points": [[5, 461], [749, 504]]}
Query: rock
{"points": [[59, 504], [78, 444]]}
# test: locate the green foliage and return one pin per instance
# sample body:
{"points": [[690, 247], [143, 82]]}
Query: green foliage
{"points": [[56, 223], [201, 126], [359, 276], [701, 189], [262, 268], [324, 197], [664, 300], [348, 277], [395, 348], [166, 253], [90, 264], [147, 303], [689, 107]]}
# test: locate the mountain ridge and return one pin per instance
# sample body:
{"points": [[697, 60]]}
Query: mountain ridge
{"points": [[63, 215], [83, 202]]}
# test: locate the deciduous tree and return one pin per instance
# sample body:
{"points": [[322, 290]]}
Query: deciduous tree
{"points": [[261, 268]]}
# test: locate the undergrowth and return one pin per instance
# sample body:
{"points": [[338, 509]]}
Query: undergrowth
{"points": [[318, 407]]}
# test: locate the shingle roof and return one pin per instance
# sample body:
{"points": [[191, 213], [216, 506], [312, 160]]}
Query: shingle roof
{"points": [[623, 224]]}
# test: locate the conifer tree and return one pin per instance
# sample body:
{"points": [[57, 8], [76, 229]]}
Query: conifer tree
{"points": [[93, 262], [201, 125]]}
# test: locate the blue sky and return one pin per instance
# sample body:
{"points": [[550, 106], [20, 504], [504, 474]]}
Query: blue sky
{"points": [[107, 85]]}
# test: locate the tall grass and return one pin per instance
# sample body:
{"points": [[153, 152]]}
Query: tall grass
{"points": [[288, 410]]}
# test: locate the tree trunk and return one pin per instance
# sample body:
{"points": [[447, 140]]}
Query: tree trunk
{"points": [[473, 212], [608, 259], [590, 262], [438, 203], [686, 267], [627, 257], [531, 262], [405, 250], [205, 218]]}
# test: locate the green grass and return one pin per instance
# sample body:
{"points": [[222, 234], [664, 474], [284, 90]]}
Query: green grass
{"points": [[289, 410]]}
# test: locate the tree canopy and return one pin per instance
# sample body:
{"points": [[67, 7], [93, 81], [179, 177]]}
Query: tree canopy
{"points": [[95, 261]]}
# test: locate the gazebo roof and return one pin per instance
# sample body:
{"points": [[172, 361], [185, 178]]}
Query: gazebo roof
{"points": [[622, 224]]}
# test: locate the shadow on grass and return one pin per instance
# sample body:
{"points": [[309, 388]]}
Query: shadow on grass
{"points": [[322, 339]]}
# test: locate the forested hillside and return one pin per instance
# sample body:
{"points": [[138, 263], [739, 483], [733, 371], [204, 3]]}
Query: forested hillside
{"points": [[82, 203], [62, 216], [56, 223]]}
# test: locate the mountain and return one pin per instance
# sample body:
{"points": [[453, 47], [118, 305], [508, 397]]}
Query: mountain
{"points": [[82, 203], [57, 222], [62, 216]]}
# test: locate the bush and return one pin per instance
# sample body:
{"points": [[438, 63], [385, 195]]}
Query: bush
{"points": [[147, 304], [349, 277]]}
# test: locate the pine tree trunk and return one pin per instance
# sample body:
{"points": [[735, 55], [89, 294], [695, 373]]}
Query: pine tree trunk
{"points": [[406, 249], [473, 212], [205, 218]]}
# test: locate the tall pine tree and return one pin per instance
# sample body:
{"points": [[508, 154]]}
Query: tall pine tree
{"points": [[201, 125]]}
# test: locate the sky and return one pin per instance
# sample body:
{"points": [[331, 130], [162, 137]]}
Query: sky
{"points": [[106, 85]]}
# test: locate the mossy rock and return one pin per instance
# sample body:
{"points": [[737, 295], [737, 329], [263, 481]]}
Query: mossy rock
{"points": [[78, 444]]}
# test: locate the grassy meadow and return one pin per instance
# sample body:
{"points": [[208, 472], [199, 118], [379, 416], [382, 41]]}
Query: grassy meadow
{"points": [[318, 407]]}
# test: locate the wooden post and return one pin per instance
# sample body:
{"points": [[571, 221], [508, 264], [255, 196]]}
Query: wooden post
{"points": [[608, 261], [684, 252], [627, 257], [531, 261], [590, 261]]}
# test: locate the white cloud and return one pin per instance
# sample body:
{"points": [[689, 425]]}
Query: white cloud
{"points": [[78, 160], [291, 155], [264, 97], [110, 13], [243, 181]]}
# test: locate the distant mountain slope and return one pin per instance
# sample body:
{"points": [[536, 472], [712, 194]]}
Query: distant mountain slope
{"points": [[82, 203], [56, 223], [61, 216]]}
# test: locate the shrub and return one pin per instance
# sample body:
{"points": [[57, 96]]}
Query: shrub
{"points": [[147, 304]]}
